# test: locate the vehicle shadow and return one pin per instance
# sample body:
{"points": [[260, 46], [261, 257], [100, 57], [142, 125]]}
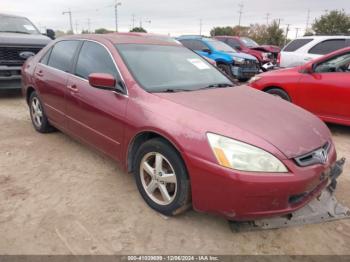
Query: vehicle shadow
{"points": [[13, 93], [339, 129]]}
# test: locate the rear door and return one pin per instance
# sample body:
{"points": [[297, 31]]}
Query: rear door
{"points": [[326, 92], [94, 115], [51, 75]]}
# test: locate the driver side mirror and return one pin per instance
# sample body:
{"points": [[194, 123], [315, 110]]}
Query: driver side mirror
{"points": [[309, 68], [102, 81], [207, 50], [50, 33]]}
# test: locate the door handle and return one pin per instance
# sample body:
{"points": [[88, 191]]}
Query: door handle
{"points": [[40, 73], [73, 88]]}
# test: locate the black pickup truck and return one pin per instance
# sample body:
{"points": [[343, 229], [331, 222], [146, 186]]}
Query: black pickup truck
{"points": [[19, 39]]}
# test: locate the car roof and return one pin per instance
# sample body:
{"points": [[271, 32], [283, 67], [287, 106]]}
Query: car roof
{"points": [[128, 38], [318, 37], [189, 37], [9, 15]]}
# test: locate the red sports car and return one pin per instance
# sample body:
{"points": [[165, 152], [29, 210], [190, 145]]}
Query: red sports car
{"points": [[180, 126], [321, 86]]}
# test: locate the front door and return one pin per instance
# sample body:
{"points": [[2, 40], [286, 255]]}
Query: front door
{"points": [[95, 115]]}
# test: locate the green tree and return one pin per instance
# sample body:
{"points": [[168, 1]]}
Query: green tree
{"points": [[102, 31], [138, 30], [240, 30], [258, 32], [274, 34], [334, 22], [227, 30]]}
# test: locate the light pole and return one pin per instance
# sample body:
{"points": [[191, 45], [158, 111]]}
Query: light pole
{"points": [[70, 19], [116, 14]]}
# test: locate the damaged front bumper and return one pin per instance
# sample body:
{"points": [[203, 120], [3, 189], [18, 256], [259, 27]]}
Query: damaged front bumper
{"points": [[323, 208]]}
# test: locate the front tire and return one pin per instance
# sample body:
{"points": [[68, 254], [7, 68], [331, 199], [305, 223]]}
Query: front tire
{"points": [[279, 93], [37, 115], [161, 177]]}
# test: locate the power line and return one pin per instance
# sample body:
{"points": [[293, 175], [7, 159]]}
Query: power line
{"points": [[69, 12]]}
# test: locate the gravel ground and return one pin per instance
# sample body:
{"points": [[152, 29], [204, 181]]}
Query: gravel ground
{"points": [[61, 197]]}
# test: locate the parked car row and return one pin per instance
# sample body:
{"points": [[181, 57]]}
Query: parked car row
{"points": [[187, 133], [236, 65]]}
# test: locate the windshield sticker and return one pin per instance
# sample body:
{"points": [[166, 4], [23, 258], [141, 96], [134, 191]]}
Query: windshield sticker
{"points": [[29, 27], [198, 63]]}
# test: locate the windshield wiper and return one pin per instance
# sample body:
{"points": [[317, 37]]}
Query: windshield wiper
{"points": [[218, 85], [18, 32], [170, 90]]}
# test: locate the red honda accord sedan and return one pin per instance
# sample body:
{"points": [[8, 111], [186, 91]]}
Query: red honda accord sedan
{"points": [[179, 125], [321, 86]]}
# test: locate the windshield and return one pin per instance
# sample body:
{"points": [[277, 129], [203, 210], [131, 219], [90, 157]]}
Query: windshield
{"points": [[20, 25], [249, 42], [170, 68], [220, 46]]}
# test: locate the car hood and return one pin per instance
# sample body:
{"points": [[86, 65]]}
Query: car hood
{"points": [[23, 39], [242, 55], [267, 48], [292, 130]]}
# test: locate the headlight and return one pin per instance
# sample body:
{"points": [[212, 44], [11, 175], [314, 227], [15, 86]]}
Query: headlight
{"points": [[241, 156], [238, 60], [254, 79]]}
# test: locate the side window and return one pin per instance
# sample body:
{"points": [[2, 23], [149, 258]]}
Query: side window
{"points": [[62, 55], [94, 58], [194, 44], [45, 59], [233, 43], [328, 46], [296, 44], [338, 64], [189, 43]]}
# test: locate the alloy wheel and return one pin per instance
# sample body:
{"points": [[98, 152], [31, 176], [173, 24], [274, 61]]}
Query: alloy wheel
{"points": [[37, 112], [158, 178]]}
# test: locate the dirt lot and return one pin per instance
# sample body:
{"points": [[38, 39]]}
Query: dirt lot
{"points": [[60, 197]]}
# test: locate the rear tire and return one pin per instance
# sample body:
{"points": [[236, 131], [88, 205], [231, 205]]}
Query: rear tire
{"points": [[37, 115], [279, 93], [161, 177]]}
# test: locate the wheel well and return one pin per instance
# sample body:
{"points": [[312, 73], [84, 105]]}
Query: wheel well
{"points": [[30, 90], [138, 141], [273, 87]]}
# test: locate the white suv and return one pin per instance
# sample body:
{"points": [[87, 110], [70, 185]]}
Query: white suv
{"points": [[304, 49]]}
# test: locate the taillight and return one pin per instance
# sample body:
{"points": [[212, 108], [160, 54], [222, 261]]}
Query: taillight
{"points": [[278, 59]]}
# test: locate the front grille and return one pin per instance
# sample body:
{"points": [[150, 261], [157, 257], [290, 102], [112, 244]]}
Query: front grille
{"points": [[9, 55], [318, 156], [250, 64]]}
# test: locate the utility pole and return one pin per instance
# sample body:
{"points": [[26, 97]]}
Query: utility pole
{"points": [[279, 22], [307, 20], [69, 12], [133, 21], [297, 31], [76, 26], [241, 5], [200, 26], [116, 14], [287, 31], [89, 25], [267, 18]]}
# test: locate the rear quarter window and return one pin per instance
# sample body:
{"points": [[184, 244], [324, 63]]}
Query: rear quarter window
{"points": [[329, 46], [296, 44]]}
